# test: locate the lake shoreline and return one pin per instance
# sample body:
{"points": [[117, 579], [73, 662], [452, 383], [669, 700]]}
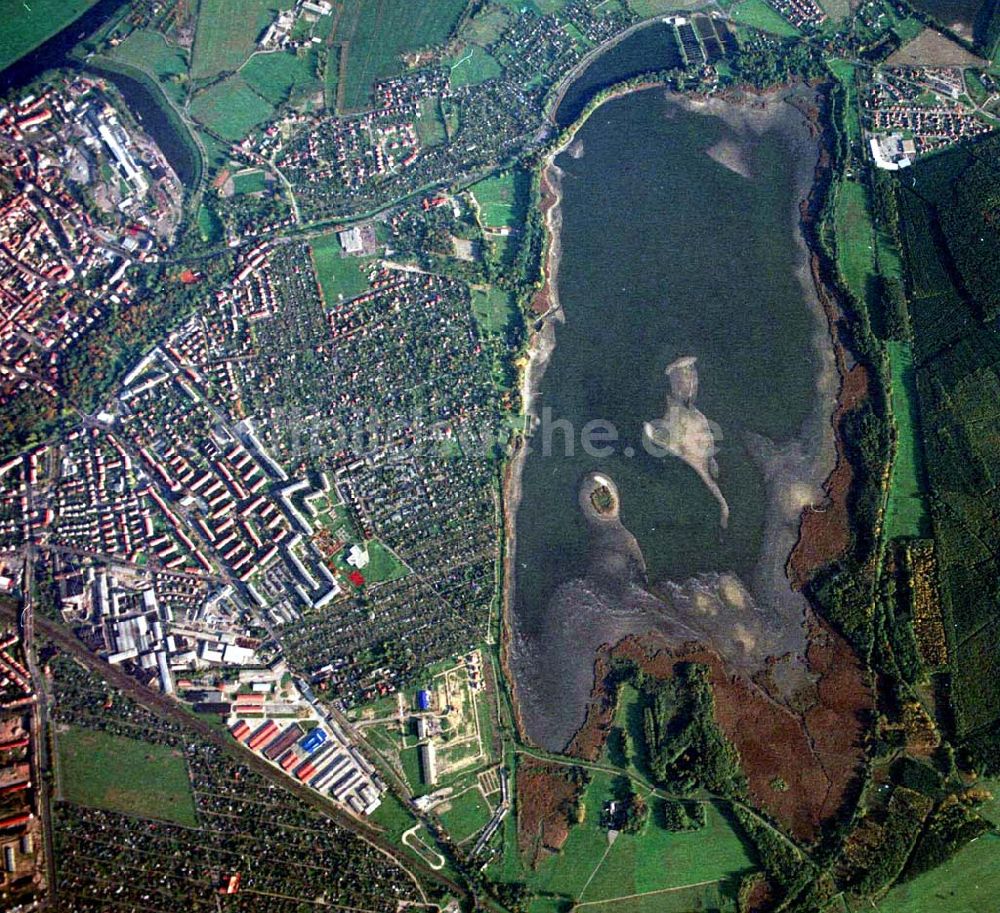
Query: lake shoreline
{"points": [[542, 340]]}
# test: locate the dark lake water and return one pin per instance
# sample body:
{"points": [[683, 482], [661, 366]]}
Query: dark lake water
{"points": [[665, 253], [651, 48]]}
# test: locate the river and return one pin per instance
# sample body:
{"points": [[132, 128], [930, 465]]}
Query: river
{"points": [[152, 111], [690, 323]]}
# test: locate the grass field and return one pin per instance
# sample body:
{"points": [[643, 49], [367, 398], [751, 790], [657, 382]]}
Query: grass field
{"points": [[339, 276], [430, 126], [209, 225], [844, 70], [249, 182], [277, 75], [471, 67], [589, 870], [906, 514], [467, 816], [230, 108], [968, 883], [383, 565], [376, 33], [646, 8], [27, 25], [227, 33], [759, 15], [855, 248], [497, 197], [492, 309], [149, 51], [124, 775]]}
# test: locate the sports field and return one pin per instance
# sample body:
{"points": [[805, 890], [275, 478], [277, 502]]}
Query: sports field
{"points": [[906, 514], [249, 182], [124, 775], [338, 276], [760, 15], [227, 33], [27, 25], [498, 201], [374, 34]]}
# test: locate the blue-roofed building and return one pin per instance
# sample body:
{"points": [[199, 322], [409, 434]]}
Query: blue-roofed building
{"points": [[423, 700], [313, 740]]}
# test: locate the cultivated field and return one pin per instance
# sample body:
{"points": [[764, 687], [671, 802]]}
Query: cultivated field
{"points": [[124, 775], [277, 75], [374, 35], [227, 33], [230, 108], [27, 25]]}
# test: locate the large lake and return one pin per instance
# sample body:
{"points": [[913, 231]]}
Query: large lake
{"points": [[679, 239]]}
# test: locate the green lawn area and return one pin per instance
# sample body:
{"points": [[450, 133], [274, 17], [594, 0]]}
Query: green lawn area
{"points": [[654, 860], [394, 816], [227, 33], [497, 199], [468, 815], [27, 25], [430, 126], [230, 108], [383, 565], [209, 225], [249, 182], [906, 514], [492, 309], [646, 8], [376, 33], [149, 51], [759, 15], [968, 883], [276, 75], [124, 775], [853, 228], [471, 67], [331, 77], [339, 276], [844, 71]]}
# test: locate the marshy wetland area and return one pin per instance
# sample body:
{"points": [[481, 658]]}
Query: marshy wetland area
{"points": [[682, 314]]}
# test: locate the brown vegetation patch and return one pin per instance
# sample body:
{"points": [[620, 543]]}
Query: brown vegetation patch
{"points": [[825, 531], [546, 808], [932, 49], [813, 749]]}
